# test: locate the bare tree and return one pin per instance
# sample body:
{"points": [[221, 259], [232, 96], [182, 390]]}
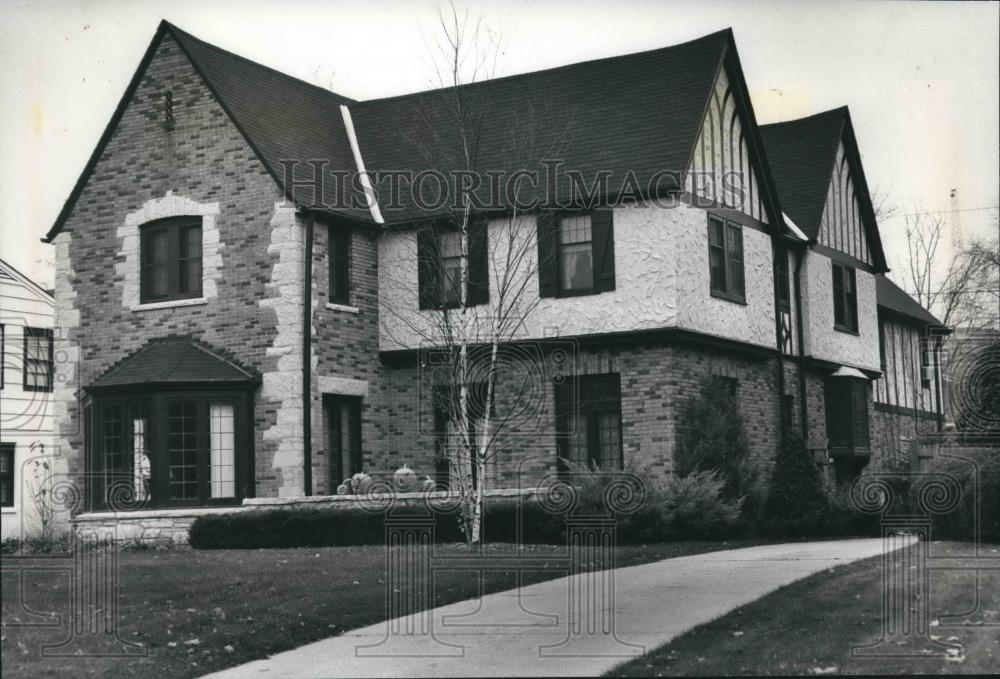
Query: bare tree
{"points": [[468, 334]]}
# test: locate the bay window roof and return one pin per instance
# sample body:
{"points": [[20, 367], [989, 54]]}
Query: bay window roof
{"points": [[175, 360]]}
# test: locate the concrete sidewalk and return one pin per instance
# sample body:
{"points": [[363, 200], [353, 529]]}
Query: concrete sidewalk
{"points": [[527, 633]]}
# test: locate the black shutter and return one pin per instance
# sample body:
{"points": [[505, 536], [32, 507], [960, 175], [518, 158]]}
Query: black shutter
{"points": [[427, 269], [603, 234], [479, 267], [548, 249]]}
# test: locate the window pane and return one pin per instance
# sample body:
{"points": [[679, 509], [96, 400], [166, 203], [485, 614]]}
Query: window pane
{"points": [[736, 285], [451, 280], [717, 268], [609, 440], [156, 247], [141, 466], [182, 449], [577, 267], [189, 260], [734, 246], [222, 440], [574, 230], [450, 244]]}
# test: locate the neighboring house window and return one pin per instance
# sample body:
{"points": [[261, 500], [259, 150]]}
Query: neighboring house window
{"points": [[441, 265], [845, 299], [589, 422], [847, 427], [343, 428], [926, 364], [6, 474], [725, 260], [339, 261], [576, 253], [38, 364], [171, 449], [170, 259]]}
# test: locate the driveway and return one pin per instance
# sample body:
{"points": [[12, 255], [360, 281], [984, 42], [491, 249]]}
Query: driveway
{"points": [[528, 632]]}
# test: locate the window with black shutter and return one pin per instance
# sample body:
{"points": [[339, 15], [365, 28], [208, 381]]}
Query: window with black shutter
{"points": [[170, 259], [725, 260], [39, 367], [339, 261], [588, 422], [845, 299], [576, 253], [441, 266]]}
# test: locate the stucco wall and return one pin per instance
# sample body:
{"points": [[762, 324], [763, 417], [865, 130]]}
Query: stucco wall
{"points": [[661, 280], [821, 339]]}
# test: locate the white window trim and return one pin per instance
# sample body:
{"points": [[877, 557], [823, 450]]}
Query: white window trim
{"points": [[343, 307], [128, 268]]}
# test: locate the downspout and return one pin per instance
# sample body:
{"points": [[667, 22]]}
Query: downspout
{"points": [[803, 410], [307, 358], [937, 383], [780, 256]]}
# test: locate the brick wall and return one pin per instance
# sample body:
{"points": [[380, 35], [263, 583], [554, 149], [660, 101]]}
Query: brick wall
{"points": [[144, 169]]}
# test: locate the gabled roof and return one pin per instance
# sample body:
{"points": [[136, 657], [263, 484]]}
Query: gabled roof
{"points": [[280, 117], [174, 361], [894, 299], [639, 112], [802, 154], [8, 271]]}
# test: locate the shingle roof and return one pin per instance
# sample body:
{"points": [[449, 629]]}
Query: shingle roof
{"points": [[801, 154], [892, 297], [174, 360], [282, 117], [639, 112]]}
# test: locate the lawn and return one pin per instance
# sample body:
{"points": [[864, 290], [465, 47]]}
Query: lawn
{"points": [[809, 627], [199, 611]]}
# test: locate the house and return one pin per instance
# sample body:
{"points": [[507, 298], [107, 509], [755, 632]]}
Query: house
{"points": [[26, 378], [220, 187]]}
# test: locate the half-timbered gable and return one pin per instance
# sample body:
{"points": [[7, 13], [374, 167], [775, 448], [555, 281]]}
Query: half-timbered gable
{"points": [[723, 169], [842, 226]]}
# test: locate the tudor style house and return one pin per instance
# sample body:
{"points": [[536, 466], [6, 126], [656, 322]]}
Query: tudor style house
{"points": [[239, 331]]}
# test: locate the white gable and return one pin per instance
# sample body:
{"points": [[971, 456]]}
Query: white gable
{"points": [[841, 227], [720, 168]]}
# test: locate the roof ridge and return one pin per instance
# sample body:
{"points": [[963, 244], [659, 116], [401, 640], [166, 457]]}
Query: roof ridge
{"points": [[175, 30], [615, 57], [840, 109]]}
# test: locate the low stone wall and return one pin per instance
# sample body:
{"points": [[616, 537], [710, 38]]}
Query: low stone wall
{"points": [[170, 526]]}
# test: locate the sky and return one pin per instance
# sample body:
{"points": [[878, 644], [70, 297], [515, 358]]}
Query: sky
{"points": [[922, 79]]}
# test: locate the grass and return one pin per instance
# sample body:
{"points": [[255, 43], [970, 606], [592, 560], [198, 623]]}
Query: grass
{"points": [[241, 605], [809, 627]]}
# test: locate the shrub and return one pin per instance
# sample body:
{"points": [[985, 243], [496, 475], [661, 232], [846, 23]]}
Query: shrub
{"points": [[959, 524], [712, 437], [796, 504], [695, 507], [341, 527]]}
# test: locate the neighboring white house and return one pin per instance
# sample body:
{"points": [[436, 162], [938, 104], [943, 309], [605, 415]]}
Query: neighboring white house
{"points": [[26, 381]]}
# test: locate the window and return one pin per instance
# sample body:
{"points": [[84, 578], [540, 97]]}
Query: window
{"points": [[6, 474], [576, 250], [881, 344], [343, 427], [784, 289], [170, 259], [447, 434], [847, 416], [725, 260], [441, 266], [339, 261], [845, 299], [576, 254], [38, 364], [170, 449], [588, 422]]}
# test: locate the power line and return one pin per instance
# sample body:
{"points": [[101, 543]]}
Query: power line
{"points": [[943, 212]]}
